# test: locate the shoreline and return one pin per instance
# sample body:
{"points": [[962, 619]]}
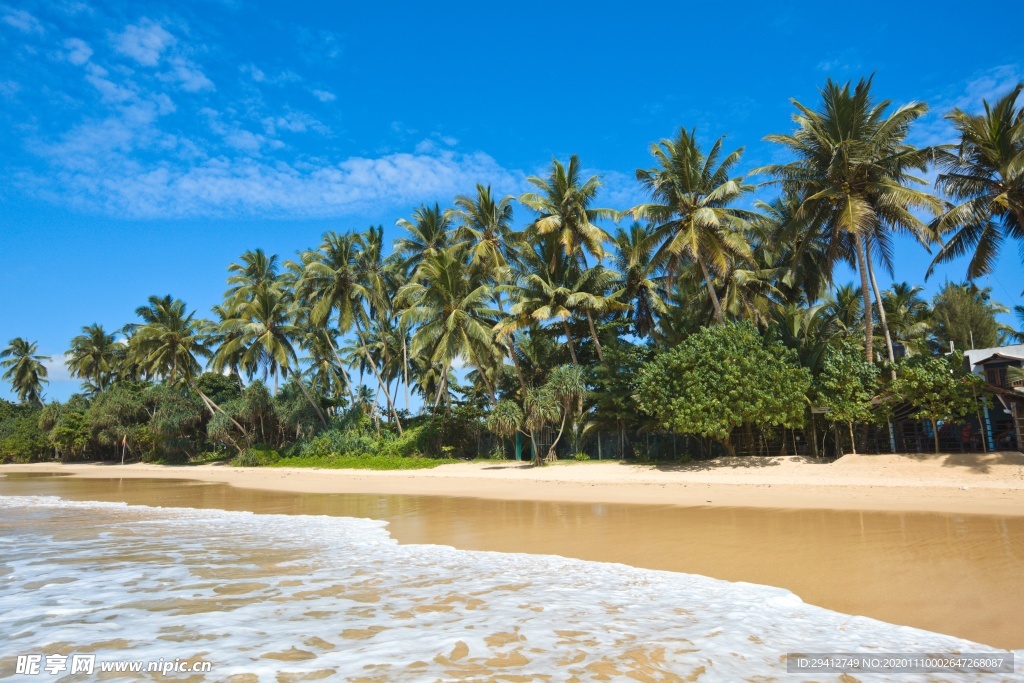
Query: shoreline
{"points": [[987, 484]]}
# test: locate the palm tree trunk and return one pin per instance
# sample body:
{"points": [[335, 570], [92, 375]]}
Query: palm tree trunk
{"points": [[319, 413], [341, 366], [211, 406], [881, 311], [593, 333], [405, 370], [865, 288], [441, 386], [380, 381], [552, 454], [719, 319], [572, 347]]}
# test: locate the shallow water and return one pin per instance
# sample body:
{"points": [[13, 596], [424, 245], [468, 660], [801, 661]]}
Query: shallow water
{"points": [[337, 595]]}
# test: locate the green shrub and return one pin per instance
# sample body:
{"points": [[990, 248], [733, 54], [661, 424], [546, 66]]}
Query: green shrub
{"points": [[581, 457], [257, 457]]}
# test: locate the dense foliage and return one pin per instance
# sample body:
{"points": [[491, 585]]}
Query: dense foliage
{"points": [[536, 320]]}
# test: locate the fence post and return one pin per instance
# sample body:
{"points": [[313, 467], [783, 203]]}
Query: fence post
{"points": [[599, 445]]}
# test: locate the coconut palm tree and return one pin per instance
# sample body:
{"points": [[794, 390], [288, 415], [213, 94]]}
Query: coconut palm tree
{"points": [[564, 202], [261, 336], [984, 175], [641, 285], [255, 270], [94, 356], [844, 312], [169, 341], [692, 193], [909, 317], [853, 169], [452, 313], [25, 370], [485, 224], [428, 233]]}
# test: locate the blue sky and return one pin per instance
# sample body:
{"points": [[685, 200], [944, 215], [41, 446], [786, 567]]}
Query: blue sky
{"points": [[146, 145]]}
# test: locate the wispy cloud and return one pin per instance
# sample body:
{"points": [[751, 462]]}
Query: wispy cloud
{"points": [[324, 96], [78, 51], [21, 20], [144, 42]]}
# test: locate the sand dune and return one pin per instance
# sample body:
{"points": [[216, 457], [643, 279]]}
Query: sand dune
{"points": [[982, 484]]}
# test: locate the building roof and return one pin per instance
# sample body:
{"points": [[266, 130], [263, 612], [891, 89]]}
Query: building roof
{"points": [[1011, 352]]}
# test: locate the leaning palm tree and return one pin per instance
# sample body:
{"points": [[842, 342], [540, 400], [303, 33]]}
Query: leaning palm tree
{"points": [[452, 313], [692, 193], [94, 356], [853, 169], [25, 370], [985, 176], [564, 202]]}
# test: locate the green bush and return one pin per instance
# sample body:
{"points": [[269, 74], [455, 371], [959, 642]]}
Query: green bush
{"points": [[581, 457], [257, 457]]}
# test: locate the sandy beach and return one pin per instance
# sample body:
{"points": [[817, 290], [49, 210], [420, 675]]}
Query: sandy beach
{"points": [[971, 484]]}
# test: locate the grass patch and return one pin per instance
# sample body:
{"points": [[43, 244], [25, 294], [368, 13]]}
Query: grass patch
{"points": [[362, 462]]}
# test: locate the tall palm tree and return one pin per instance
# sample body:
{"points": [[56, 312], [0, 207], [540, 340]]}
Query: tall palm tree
{"points": [[94, 356], [789, 240], [985, 176], [642, 287], [261, 336], [692, 193], [485, 224], [844, 311], [853, 169], [256, 270], [25, 370], [564, 202], [169, 341], [452, 313], [428, 233], [908, 315]]}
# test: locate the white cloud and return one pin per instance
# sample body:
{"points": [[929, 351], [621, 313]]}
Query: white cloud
{"points": [[292, 122], [21, 20], [78, 51], [324, 96], [144, 42], [188, 76], [116, 182]]}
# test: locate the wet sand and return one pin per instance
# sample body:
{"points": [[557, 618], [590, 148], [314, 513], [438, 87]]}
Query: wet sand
{"points": [[958, 574], [975, 484]]}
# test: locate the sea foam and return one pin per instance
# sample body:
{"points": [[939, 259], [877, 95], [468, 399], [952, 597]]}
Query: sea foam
{"points": [[260, 595]]}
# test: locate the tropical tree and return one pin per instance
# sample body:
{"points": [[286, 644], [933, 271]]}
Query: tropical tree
{"points": [[94, 356], [25, 370], [909, 317], [964, 315], [692, 193], [485, 224], [853, 169], [452, 313], [427, 234], [169, 341], [642, 287], [566, 215], [984, 176]]}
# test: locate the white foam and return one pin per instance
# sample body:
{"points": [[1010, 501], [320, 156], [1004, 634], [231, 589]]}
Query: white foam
{"points": [[233, 587]]}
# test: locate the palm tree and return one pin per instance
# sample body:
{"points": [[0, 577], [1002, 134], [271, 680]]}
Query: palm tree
{"points": [[485, 224], [256, 270], [564, 204], [789, 240], [639, 281], [692, 193], [169, 341], [25, 370], [429, 233], [985, 175], [261, 336], [94, 356], [844, 311], [590, 295], [908, 315], [852, 168], [452, 312]]}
